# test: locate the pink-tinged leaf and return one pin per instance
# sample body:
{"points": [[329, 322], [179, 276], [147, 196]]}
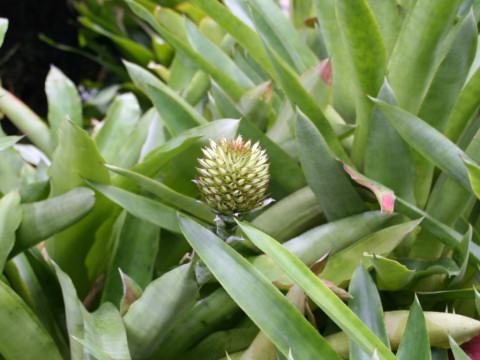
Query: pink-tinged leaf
{"points": [[384, 195], [131, 292], [325, 68], [471, 348]]}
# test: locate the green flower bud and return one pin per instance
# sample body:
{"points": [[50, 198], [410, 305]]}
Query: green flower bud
{"points": [[234, 175]]}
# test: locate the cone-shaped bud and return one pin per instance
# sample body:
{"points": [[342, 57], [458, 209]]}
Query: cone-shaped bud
{"points": [[233, 176]]}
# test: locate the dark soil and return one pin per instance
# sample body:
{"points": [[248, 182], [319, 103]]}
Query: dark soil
{"points": [[25, 60]]}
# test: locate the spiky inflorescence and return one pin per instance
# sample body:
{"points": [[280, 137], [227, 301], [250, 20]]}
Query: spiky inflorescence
{"points": [[234, 175]]}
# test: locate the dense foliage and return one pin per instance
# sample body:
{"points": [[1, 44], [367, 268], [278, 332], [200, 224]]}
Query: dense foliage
{"points": [[368, 112]]}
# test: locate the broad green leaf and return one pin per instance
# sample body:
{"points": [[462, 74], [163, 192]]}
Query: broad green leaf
{"points": [[176, 199], [415, 338], [234, 90], [418, 51], [388, 158], [394, 275], [134, 252], [477, 299], [239, 30], [10, 218], [63, 102], [140, 206], [276, 30], [104, 329], [342, 92], [255, 295], [175, 112], [76, 157], [388, 19], [73, 313], [364, 45], [341, 265], [457, 351], [120, 121], [28, 280], [319, 293], [206, 316], [366, 304], [465, 107], [45, 218], [450, 76], [334, 236], [256, 104], [290, 216], [298, 96], [473, 175], [7, 141], [26, 121], [214, 55], [325, 175], [3, 29], [430, 143], [150, 317], [284, 170], [26, 337]]}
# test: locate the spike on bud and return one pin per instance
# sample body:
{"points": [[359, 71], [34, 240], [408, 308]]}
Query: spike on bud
{"points": [[233, 176]]}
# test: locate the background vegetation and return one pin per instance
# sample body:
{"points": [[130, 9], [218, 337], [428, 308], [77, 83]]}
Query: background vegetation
{"points": [[368, 111]]}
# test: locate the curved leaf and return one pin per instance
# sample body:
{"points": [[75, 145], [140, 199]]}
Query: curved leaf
{"points": [[45, 218], [255, 295], [319, 293], [150, 317], [23, 336], [10, 218]]}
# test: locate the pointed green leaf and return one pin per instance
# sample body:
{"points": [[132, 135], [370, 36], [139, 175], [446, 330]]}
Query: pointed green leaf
{"points": [[120, 121], [63, 101], [216, 56], [150, 317], [429, 142], [334, 236], [131, 292], [140, 206], [415, 338], [228, 84], [134, 252], [26, 121], [341, 265], [418, 50], [333, 190], [104, 329], [173, 197], [298, 96], [255, 295], [366, 304], [7, 141], [73, 313], [239, 30], [366, 51], [77, 157], [10, 218], [318, 292], [395, 275], [457, 351]]}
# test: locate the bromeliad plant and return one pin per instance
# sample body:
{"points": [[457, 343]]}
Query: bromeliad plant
{"points": [[368, 112]]}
